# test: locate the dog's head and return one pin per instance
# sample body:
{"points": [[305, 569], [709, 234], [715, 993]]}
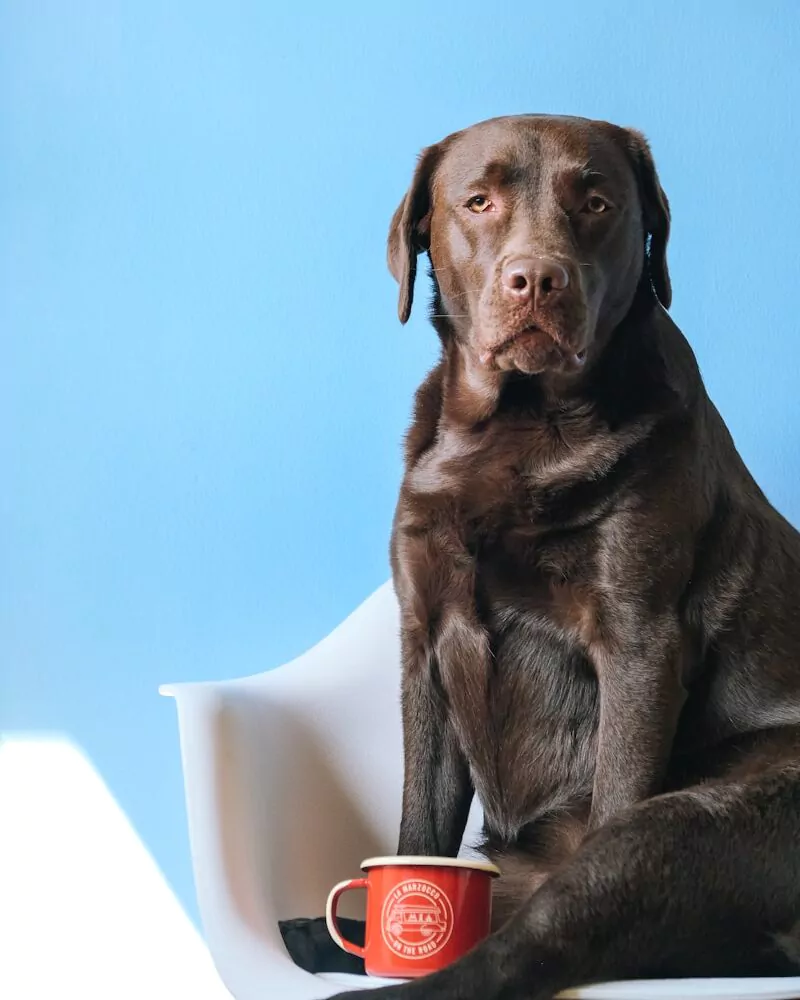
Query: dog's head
{"points": [[540, 232]]}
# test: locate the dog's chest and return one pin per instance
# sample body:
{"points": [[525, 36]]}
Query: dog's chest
{"points": [[465, 469], [517, 503], [509, 474], [535, 598], [542, 699]]}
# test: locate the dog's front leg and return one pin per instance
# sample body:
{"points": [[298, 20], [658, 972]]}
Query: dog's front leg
{"points": [[639, 668], [437, 790], [445, 654]]}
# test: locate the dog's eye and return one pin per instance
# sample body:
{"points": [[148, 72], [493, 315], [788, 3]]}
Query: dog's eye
{"points": [[478, 203], [596, 205]]}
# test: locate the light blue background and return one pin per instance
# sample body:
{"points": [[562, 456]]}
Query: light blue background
{"points": [[203, 385]]}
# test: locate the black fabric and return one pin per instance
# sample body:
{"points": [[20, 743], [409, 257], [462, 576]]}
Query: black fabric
{"points": [[312, 948]]}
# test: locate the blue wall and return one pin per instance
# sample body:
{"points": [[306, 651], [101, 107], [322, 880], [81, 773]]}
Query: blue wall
{"points": [[203, 384]]}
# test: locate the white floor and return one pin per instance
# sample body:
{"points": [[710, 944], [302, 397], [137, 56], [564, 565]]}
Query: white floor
{"points": [[85, 912]]}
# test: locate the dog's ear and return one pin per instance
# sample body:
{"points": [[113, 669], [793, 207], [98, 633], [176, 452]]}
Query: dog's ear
{"points": [[409, 232], [656, 215]]}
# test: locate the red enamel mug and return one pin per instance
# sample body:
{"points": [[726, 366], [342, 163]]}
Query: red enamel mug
{"points": [[422, 913]]}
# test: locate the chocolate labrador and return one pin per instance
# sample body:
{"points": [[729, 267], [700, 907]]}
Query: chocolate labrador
{"points": [[600, 622]]}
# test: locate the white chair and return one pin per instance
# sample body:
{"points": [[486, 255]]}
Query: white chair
{"points": [[292, 778]]}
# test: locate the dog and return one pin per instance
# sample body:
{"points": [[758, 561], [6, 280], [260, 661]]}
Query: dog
{"points": [[599, 606]]}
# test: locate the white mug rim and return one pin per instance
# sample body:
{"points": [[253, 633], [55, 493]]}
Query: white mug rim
{"points": [[420, 861]]}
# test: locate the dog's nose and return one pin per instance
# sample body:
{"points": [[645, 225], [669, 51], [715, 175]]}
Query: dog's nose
{"points": [[536, 278]]}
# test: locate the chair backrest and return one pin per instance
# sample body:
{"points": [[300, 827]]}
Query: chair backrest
{"points": [[330, 723]]}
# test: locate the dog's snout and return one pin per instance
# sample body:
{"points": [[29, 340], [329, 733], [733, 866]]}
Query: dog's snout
{"points": [[536, 278]]}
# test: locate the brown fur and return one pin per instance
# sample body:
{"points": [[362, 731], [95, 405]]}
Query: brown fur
{"points": [[599, 606]]}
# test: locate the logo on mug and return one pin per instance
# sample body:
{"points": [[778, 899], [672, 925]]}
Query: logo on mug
{"points": [[417, 919]]}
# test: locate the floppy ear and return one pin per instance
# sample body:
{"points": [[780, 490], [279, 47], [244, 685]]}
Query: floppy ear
{"points": [[409, 232], [656, 215]]}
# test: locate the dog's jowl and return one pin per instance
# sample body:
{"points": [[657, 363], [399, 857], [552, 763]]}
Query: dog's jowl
{"points": [[600, 623]]}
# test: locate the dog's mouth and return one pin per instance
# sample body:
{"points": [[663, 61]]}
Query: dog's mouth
{"points": [[532, 349]]}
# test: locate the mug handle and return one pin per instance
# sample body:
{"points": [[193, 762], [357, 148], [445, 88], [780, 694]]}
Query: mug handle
{"points": [[330, 914]]}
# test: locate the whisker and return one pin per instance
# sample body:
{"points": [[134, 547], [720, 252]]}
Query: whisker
{"points": [[441, 270], [461, 295]]}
